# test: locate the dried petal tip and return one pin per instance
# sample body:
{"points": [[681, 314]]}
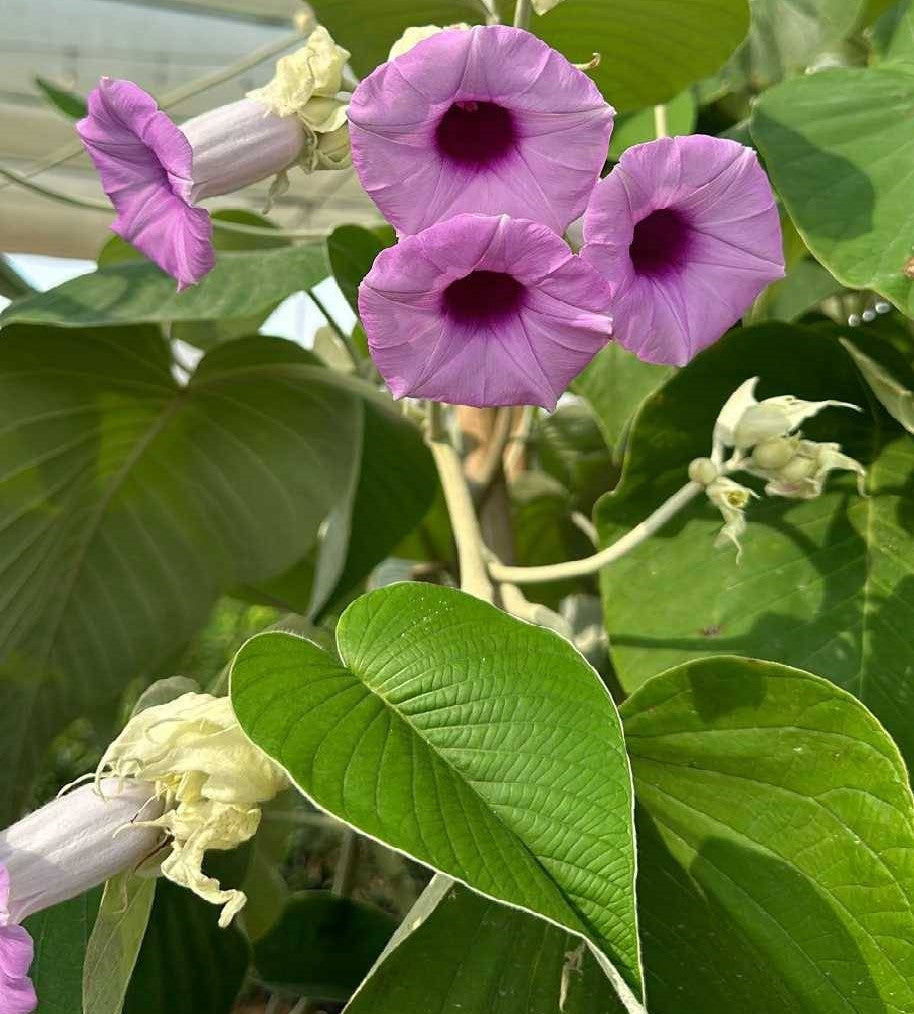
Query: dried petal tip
{"points": [[731, 500], [209, 778], [306, 87]]}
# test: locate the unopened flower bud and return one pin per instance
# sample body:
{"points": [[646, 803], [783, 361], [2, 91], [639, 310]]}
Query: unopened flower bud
{"points": [[76, 842], [703, 471], [413, 36], [798, 468], [772, 454]]}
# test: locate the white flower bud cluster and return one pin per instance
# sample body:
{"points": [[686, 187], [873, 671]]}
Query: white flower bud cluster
{"points": [[766, 444]]}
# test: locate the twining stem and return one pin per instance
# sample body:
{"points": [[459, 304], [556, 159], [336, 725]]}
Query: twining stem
{"points": [[318, 302], [522, 14], [661, 121], [346, 865], [495, 452], [474, 577], [591, 564]]}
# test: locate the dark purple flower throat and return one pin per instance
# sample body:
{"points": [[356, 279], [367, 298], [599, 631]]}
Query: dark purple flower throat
{"points": [[475, 133], [660, 243], [483, 297]]}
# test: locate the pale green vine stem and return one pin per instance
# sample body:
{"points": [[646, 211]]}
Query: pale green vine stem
{"points": [[522, 14], [661, 121], [474, 577], [592, 564]]}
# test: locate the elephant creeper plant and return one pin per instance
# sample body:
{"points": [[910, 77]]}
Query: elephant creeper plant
{"points": [[673, 826]]}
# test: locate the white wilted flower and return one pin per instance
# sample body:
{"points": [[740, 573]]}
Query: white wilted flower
{"points": [[307, 86], [413, 36], [731, 499], [208, 778], [744, 421]]}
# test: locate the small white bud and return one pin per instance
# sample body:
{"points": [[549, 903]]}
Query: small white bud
{"points": [[703, 471], [773, 454]]}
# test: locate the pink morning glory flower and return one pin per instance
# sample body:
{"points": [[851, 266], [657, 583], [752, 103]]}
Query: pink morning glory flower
{"points": [[154, 172], [686, 231], [489, 120], [17, 994], [482, 310], [146, 167]]}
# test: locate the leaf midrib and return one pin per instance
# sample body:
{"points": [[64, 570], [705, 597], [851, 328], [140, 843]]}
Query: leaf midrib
{"points": [[584, 921]]}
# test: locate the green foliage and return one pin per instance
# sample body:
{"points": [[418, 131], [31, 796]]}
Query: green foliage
{"points": [[641, 126], [429, 736], [838, 147], [780, 831], [60, 935], [129, 503], [322, 946], [65, 101], [112, 950], [187, 964], [461, 951], [822, 584], [785, 36], [614, 385], [650, 49], [352, 250], [241, 285], [370, 27]]}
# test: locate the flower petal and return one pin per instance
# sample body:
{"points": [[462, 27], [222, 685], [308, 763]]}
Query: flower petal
{"points": [[145, 164], [488, 352], [552, 146], [17, 994], [714, 244]]}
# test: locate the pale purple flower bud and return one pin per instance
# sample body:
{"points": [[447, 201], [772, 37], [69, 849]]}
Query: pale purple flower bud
{"points": [[239, 144], [76, 842]]}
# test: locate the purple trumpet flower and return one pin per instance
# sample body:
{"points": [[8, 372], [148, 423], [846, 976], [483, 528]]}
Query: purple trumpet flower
{"points": [[154, 172], [482, 310], [686, 231], [488, 121]]}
